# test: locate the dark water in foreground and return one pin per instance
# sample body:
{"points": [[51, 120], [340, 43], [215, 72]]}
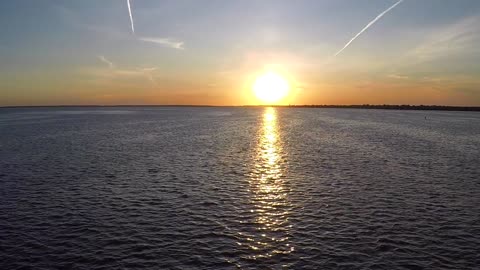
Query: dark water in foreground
{"points": [[239, 188]]}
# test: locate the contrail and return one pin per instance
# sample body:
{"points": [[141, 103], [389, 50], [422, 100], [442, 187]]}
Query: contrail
{"points": [[168, 42], [131, 17], [368, 25], [106, 61]]}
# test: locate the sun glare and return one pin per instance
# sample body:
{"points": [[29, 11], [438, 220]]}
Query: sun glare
{"points": [[270, 87]]}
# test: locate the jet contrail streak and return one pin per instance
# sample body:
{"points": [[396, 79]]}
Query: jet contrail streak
{"points": [[368, 25], [106, 61], [131, 17]]}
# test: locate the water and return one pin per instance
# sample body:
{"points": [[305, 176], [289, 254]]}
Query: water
{"points": [[238, 188]]}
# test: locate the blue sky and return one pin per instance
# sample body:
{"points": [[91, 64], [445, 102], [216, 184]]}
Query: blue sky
{"points": [[208, 52]]}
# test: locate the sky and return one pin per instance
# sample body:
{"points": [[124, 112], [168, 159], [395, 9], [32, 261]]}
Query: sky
{"points": [[210, 52]]}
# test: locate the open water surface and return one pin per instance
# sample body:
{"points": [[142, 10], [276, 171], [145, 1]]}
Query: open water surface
{"points": [[238, 188]]}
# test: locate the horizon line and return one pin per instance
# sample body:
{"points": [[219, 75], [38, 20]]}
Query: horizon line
{"points": [[339, 106]]}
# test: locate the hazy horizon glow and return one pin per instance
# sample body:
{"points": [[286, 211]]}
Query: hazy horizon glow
{"points": [[150, 52]]}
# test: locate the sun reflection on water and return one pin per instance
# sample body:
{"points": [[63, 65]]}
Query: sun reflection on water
{"points": [[269, 193]]}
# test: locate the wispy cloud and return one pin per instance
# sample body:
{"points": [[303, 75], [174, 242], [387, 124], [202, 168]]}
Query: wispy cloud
{"points": [[368, 26], [148, 73], [131, 17], [113, 71], [167, 42], [148, 69], [73, 18], [106, 61], [398, 77], [460, 37]]}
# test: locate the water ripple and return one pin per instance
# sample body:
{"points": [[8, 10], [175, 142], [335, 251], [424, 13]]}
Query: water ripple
{"points": [[238, 188]]}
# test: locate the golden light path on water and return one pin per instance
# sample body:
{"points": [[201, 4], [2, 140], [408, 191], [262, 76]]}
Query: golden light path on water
{"points": [[269, 193]]}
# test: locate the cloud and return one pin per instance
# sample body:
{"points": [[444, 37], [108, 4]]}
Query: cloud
{"points": [[398, 77], [148, 69], [113, 71], [148, 73], [131, 17], [368, 26], [167, 42], [459, 37], [106, 61], [73, 18]]}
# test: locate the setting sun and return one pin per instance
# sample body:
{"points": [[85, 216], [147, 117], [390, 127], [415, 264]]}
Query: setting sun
{"points": [[270, 87]]}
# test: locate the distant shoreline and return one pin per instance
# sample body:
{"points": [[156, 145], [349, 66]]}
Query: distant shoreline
{"points": [[394, 107], [364, 106]]}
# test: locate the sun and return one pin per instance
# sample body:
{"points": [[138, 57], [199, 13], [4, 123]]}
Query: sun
{"points": [[270, 87]]}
